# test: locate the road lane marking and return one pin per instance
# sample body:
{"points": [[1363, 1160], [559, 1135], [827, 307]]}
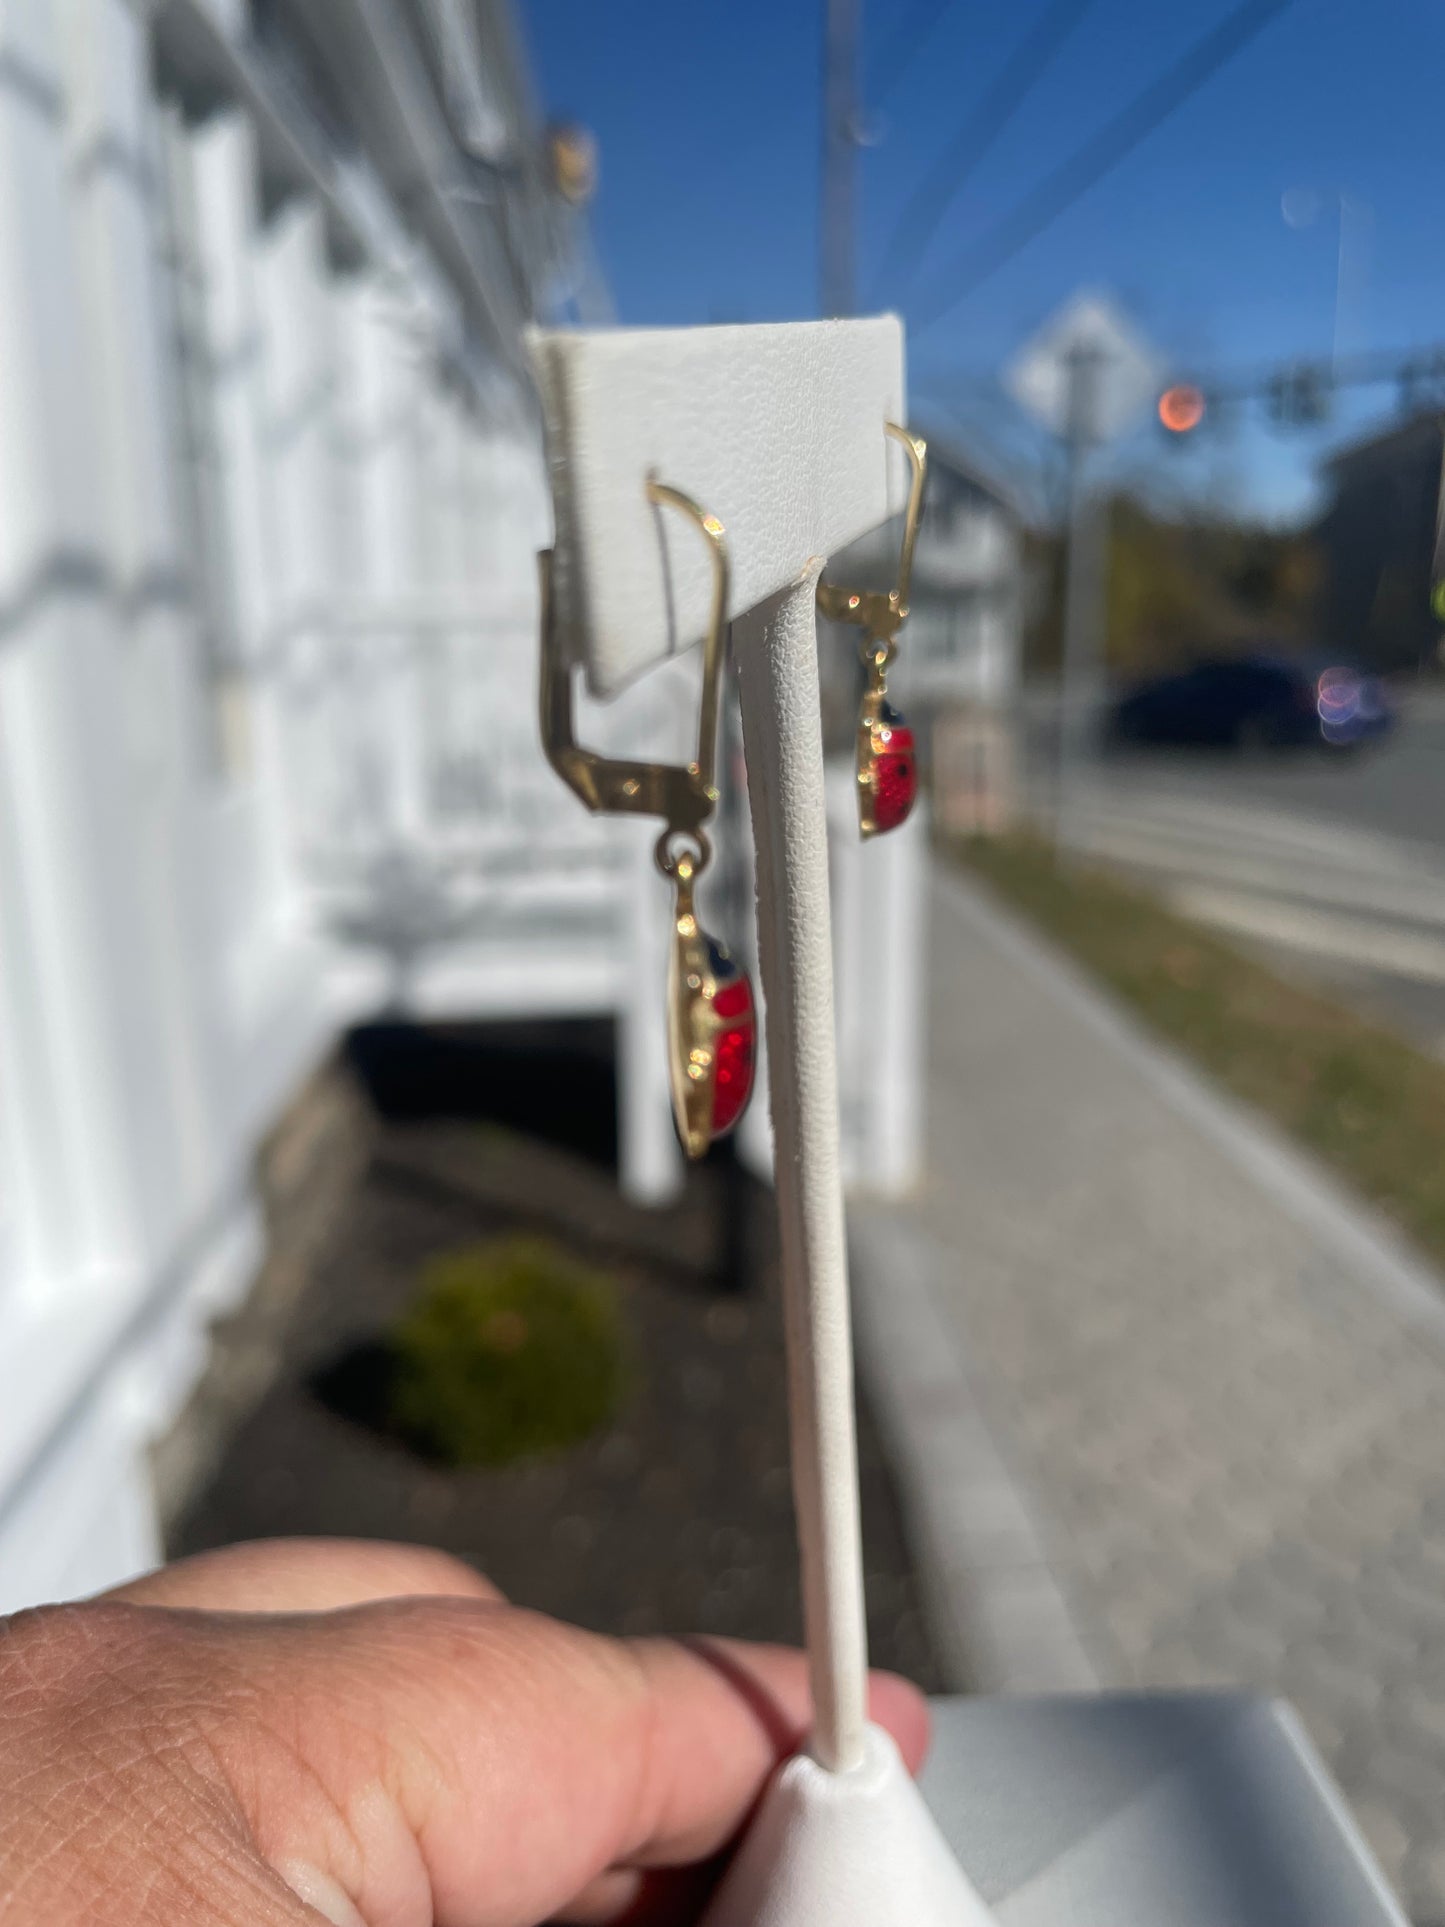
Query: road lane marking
{"points": [[1398, 953], [1422, 903], [1256, 826]]}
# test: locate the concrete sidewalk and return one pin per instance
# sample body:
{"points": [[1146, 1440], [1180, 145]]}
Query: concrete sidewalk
{"points": [[1171, 1409]]}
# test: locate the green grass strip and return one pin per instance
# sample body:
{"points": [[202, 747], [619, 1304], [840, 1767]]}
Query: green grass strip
{"points": [[1362, 1099]]}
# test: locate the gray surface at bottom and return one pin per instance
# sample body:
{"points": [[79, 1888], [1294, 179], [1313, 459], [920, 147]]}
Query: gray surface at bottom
{"points": [[1148, 1810]]}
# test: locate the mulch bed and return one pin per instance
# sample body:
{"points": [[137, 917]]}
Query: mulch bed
{"points": [[679, 1517]]}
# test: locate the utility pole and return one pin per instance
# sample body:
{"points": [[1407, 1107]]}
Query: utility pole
{"points": [[1085, 375], [1083, 581], [837, 226]]}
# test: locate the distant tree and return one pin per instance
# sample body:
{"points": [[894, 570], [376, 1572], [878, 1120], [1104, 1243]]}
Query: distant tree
{"points": [[1178, 587]]}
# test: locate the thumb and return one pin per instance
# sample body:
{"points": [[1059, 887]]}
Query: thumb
{"points": [[477, 1764]]}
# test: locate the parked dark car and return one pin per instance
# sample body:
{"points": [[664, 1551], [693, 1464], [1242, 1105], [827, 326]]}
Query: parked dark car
{"points": [[1255, 701]]}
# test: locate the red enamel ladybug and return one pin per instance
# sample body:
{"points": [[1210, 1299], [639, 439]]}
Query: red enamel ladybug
{"points": [[887, 768], [713, 1023]]}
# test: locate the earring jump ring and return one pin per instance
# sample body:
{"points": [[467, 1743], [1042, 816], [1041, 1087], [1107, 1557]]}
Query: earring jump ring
{"points": [[683, 864]]}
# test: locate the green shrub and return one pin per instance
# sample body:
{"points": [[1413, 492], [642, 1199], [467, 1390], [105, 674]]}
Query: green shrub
{"points": [[512, 1348]]}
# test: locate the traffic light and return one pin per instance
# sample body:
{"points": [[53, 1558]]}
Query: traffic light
{"points": [[1181, 408], [1300, 397], [1422, 383]]}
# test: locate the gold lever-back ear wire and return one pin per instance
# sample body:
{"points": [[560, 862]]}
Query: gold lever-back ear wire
{"points": [[882, 613], [711, 1018], [683, 795], [714, 643]]}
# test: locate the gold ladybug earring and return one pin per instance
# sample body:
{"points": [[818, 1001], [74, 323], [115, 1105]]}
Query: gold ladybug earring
{"points": [[886, 763], [711, 1013]]}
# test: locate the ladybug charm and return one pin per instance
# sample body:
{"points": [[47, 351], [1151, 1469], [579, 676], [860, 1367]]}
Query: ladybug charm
{"points": [[712, 1030], [887, 766], [887, 763]]}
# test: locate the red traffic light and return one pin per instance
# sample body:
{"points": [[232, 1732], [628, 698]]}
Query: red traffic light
{"points": [[1181, 408]]}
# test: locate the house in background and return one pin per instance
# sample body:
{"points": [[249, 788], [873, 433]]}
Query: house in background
{"points": [[966, 613], [1377, 540], [964, 637], [960, 656]]}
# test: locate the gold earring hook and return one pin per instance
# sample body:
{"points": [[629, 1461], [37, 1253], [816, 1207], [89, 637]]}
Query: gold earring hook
{"points": [[683, 795], [878, 613], [659, 494]]}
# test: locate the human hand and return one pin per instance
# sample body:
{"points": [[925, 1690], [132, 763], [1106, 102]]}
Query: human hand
{"points": [[309, 1730]]}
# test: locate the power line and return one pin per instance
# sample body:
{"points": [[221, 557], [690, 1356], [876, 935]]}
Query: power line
{"points": [[837, 213], [1085, 168], [896, 55], [920, 219]]}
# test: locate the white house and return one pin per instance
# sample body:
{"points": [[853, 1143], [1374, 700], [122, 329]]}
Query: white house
{"points": [[271, 491], [964, 637], [965, 625], [961, 652]]}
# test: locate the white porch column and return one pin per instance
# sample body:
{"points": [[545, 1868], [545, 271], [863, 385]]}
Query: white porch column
{"points": [[69, 951]]}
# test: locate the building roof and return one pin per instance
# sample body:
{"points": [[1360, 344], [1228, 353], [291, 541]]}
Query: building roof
{"points": [[1426, 422], [944, 452]]}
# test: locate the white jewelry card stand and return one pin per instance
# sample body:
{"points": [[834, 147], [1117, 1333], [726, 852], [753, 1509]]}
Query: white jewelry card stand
{"points": [[777, 431], [1203, 1810]]}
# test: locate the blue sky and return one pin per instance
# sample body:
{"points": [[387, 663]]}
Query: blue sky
{"points": [[708, 126]]}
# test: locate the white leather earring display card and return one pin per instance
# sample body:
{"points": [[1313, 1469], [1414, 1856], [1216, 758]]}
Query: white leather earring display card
{"points": [[777, 430]]}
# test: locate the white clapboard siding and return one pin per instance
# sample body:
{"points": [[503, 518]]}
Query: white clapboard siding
{"points": [[269, 762]]}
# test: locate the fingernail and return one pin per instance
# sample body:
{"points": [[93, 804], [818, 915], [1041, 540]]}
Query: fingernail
{"points": [[320, 1891]]}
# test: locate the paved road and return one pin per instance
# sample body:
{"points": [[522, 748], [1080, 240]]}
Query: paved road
{"points": [[1227, 1415], [1396, 789], [1333, 867]]}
